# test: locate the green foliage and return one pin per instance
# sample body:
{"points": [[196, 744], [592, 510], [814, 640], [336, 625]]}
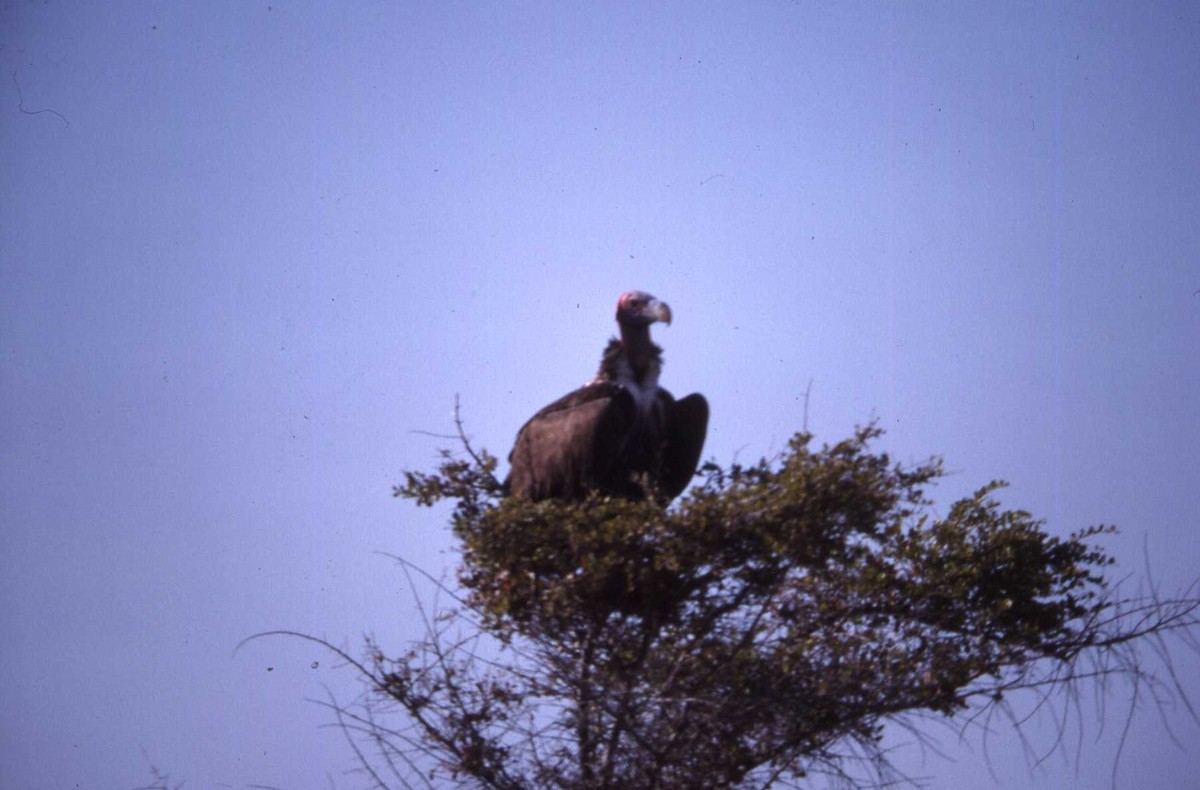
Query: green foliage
{"points": [[736, 639]]}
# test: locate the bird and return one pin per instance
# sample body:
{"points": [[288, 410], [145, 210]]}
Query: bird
{"points": [[619, 435]]}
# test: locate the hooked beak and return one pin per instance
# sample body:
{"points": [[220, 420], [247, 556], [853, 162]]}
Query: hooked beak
{"points": [[660, 311]]}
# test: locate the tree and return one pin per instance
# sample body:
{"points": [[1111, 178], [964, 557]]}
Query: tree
{"points": [[764, 628]]}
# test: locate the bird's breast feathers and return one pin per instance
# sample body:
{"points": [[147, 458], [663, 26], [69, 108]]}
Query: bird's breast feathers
{"points": [[643, 390]]}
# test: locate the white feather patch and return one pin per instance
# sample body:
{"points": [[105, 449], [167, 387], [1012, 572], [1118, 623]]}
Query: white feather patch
{"points": [[644, 392]]}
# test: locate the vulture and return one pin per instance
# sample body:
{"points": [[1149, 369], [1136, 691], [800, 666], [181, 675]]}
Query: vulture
{"points": [[620, 434]]}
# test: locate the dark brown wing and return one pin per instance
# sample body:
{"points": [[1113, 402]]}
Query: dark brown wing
{"points": [[573, 445], [687, 426]]}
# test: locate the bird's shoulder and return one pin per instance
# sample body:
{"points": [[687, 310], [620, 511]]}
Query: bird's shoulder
{"points": [[588, 393]]}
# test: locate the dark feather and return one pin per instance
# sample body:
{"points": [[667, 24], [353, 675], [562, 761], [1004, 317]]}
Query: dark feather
{"points": [[687, 425], [573, 445], [590, 440]]}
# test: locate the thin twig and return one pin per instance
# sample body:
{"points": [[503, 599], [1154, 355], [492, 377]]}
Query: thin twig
{"points": [[21, 104]]}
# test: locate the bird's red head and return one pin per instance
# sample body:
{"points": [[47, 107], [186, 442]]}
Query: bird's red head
{"points": [[638, 308]]}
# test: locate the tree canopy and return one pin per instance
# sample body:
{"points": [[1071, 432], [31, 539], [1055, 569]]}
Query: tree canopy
{"points": [[764, 628]]}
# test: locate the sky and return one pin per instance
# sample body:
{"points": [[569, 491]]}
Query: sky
{"points": [[250, 253]]}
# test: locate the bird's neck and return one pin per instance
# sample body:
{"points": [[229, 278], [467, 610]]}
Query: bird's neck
{"points": [[639, 350], [632, 361]]}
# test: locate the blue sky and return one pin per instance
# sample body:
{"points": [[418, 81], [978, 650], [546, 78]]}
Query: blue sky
{"points": [[258, 247]]}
